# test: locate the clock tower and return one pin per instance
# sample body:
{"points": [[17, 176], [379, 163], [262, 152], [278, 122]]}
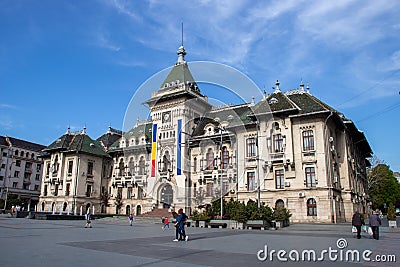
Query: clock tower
{"points": [[174, 108]]}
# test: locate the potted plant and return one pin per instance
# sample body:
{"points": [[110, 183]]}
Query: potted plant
{"points": [[391, 216]]}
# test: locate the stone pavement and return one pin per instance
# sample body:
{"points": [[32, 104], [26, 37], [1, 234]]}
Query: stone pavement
{"points": [[112, 242]]}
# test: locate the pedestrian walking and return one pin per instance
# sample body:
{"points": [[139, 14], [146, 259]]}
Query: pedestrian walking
{"points": [[166, 223], [180, 233], [357, 221], [374, 223], [130, 219], [88, 221]]}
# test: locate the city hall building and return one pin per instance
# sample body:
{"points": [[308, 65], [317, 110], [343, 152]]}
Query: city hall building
{"points": [[290, 149]]}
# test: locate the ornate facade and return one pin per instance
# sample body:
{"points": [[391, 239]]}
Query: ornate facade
{"points": [[290, 149]]}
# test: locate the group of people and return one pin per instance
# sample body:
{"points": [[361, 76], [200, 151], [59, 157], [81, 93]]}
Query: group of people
{"points": [[180, 234], [374, 222]]}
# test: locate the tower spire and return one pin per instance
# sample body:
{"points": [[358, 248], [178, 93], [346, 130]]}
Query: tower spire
{"points": [[181, 51]]}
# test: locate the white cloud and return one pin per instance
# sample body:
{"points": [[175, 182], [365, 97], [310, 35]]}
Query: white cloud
{"points": [[8, 106]]}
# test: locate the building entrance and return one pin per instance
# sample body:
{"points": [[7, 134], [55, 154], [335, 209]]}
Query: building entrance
{"points": [[166, 196]]}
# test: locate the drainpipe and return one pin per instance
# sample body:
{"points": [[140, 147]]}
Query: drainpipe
{"points": [[328, 169]]}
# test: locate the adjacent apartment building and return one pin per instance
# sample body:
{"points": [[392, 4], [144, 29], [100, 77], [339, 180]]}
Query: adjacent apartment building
{"points": [[21, 170]]}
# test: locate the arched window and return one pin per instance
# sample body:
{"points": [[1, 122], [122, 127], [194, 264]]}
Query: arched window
{"points": [[279, 203], [308, 140], [121, 167], [311, 207], [210, 159], [225, 157], [166, 162], [131, 166], [141, 166]]}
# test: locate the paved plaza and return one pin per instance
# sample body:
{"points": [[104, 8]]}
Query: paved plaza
{"points": [[112, 242]]}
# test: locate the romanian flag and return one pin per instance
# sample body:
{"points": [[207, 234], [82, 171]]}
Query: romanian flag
{"points": [[154, 151]]}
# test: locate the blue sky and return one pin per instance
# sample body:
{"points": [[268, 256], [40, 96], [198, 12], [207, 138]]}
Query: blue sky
{"points": [[79, 62]]}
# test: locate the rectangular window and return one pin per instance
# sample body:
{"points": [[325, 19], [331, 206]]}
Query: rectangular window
{"points": [[280, 180], [15, 184], [209, 189], [45, 190], [47, 168], [38, 167], [56, 190], [310, 177], [3, 166], [25, 186], [28, 166], [18, 163], [27, 175], [1, 178], [90, 168], [308, 140], [129, 192], [67, 189], [278, 143], [251, 178], [37, 177], [89, 190], [251, 147], [16, 174], [36, 187], [70, 167]]}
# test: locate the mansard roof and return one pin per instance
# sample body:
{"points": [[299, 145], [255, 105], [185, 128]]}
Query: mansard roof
{"points": [[275, 103], [78, 142], [306, 102], [15, 142], [137, 131], [109, 137]]}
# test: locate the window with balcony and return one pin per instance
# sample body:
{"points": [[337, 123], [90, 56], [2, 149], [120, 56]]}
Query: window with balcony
{"points": [[121, 167], [251, 178], [251, 147], [279, 179], [225, 158], [308, 140], [25, 186], [15, 184], [278, 143], [310, 177], [311, 207], [210, 159], [166, 162]]}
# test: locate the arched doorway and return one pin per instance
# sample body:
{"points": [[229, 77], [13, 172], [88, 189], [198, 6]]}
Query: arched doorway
{"points": [[138, 210], [53, 207], [65, 206], [128, 210], [166, 196], [43, 206]]}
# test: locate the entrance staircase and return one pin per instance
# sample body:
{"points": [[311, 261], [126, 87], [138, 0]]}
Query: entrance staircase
{"points": [[157, 213]]}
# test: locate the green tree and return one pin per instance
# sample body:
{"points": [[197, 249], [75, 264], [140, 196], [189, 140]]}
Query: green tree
{"points": [[391, 215], [384, 187]]}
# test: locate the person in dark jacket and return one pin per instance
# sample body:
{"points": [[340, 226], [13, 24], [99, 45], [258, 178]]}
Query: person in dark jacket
{"points": [[357, 221], [375, 222], [180, 226]]}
